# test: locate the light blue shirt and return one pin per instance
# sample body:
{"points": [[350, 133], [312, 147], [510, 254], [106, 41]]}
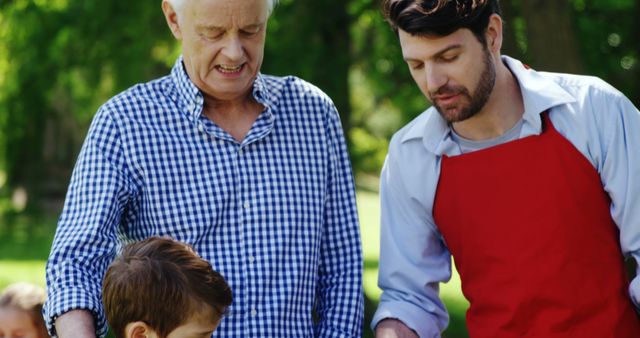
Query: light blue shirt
{"points": [[596, 118]]}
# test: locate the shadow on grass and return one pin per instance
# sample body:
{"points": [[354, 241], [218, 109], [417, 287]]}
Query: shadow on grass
{"points": [[457, 325], [370, 264]]}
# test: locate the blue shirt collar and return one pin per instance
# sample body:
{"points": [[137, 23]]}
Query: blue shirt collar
{"points": [[190, 96], [539, 93]]}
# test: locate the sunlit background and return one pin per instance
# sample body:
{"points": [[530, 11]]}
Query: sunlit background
{"points": [[61, 59]]}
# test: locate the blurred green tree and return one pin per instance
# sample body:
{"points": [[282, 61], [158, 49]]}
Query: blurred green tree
{"points": [[310, 39], [608, 33], [61, 59]]}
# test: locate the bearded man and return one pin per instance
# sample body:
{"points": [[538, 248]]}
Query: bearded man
{"points": [[530, 180]]}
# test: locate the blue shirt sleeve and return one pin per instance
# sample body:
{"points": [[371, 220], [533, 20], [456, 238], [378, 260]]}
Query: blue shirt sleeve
{"points": [[413, 258], [340, 296], [620, 173], [85, 238]]}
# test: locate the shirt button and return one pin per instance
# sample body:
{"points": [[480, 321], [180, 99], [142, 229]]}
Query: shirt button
{"points": [[240, 151], [246, 205], [201, 128], [254, 312], [252, 259]]}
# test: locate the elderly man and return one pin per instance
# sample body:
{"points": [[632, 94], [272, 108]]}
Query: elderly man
{"points": [[530, 180], [251, 170]]}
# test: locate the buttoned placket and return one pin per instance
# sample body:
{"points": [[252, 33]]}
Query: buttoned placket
{"points": [[244, 209], [243, 206]]}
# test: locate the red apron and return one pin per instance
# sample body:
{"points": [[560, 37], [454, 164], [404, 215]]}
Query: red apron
{"points": [[529, 227]]}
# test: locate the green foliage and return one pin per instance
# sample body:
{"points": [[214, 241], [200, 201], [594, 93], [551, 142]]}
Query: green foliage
{"points": [[308, 38], [608, 33], [61, 59], [383, 94], [378, 64], [26, 238]]}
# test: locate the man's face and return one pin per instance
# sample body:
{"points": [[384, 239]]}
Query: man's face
{"points": [[455, 72], [223, 44]]}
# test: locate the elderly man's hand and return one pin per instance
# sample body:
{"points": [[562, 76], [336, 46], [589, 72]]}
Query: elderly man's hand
{"points": [[393, 328]]}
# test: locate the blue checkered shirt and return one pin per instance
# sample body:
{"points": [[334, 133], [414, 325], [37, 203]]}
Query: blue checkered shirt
{"points": [[275, 214]]}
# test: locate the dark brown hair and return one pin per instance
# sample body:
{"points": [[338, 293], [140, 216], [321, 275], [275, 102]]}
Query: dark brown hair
{"points": [[161, 282], [29, 298], [440, 17]]}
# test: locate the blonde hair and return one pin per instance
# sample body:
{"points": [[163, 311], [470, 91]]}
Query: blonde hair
{"points": [[26, 297]]}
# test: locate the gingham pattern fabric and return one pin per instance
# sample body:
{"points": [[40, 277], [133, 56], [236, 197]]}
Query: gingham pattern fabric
{"points": [[275, 214]]}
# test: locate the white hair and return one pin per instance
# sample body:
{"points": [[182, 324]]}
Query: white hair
{"points": [[178, 5]]}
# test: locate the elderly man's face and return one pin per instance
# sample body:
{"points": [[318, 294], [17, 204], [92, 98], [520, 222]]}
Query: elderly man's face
{"points": [[222, 44]]}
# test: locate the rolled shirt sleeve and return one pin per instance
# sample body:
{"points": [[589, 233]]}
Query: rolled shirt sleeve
{"points": [[84, 243], [340, 295]]}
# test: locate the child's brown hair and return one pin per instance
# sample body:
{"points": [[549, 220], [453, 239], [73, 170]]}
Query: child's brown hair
{"points": [[161, 282]]}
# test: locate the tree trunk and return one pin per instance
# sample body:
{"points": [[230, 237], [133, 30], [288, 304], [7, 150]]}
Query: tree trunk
{"points": [[552, 45], [510, 42]]}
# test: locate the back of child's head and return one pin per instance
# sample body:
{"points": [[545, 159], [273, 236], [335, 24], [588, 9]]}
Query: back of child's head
{"points": [[163, 283], [21, 311]]}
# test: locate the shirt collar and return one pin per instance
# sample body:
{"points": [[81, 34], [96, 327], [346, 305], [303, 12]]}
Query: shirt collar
{"points": [[190, 96], [539, 94], [260, 92]]}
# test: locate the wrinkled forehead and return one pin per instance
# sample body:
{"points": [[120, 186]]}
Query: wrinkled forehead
{"points": [[225, 14]]}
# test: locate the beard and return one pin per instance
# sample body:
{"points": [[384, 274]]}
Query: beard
{"points": [[476, 101]]}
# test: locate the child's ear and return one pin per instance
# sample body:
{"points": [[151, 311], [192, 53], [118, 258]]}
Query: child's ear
{"points": [[139, 330]]}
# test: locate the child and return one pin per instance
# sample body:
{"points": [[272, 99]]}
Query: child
{"points": [[21, 311], [160, 287]]}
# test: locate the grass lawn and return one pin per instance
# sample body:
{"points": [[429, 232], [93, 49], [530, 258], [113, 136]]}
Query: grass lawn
{"points": [[31, 271], [24, 246], [26, 241]]}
